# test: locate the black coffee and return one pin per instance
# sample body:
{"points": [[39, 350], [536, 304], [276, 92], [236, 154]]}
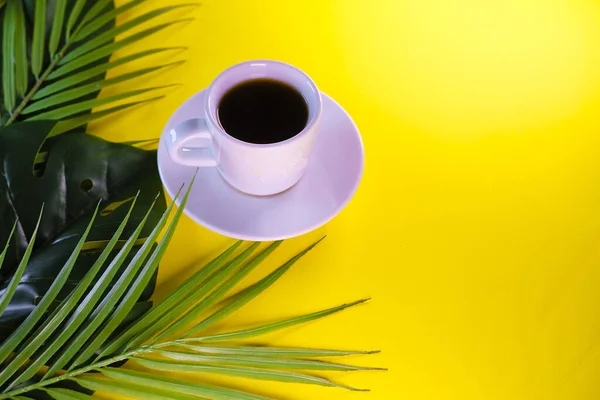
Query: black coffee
{"points": [[263, 111]]}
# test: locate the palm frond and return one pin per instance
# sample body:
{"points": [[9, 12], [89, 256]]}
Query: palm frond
{"points": [[81, 39], [59, 346]]}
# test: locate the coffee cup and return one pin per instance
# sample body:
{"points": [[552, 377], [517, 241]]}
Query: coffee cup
{"points": [[257, 127]]}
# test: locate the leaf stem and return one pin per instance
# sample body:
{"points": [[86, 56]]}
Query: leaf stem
{"points": [[83, 370]]}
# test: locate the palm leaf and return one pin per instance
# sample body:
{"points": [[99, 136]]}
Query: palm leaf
{"points": [[91, 314], [260, 362], [81, 41], [21, 63], [90, 73], [169, 303], [57, 26], [68, 111], [8, 51], [163, 383], [75, 12], [66, 394], [248, 295], [66, 336], [72, 123], [242, 372], [12, 286], [221, 282], [72, 94], [109, 35], [261, 351], [39, 38], [273, 327], [83, 307]]}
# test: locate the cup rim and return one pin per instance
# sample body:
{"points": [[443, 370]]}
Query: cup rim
{"points": [[211, 106]]}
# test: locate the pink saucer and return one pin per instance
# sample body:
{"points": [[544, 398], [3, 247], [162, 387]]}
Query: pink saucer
{"points": [[331, 179]]}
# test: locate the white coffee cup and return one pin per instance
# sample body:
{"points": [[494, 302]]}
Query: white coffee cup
{"points": [[257, 169]]}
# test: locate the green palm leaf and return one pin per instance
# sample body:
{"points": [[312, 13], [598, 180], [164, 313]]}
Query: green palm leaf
{"points": [[220, 275], [21, 63], [39, 38], [72, 123], [80, 44], [66, 394], [67, 111], [242, 372], [59, 342], [57, 26], [259, 362], [273, 327], [83, 76], [169, 303], [221, 282], [108, 49], [12, 286], [261, 351], [75, 12], [78, 92], [8, 51], [173, 385]]}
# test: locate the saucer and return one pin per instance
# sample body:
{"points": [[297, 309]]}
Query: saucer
{"points": [[333, 174]]}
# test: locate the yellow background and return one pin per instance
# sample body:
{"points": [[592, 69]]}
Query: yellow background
{"points": [[476, 226]]}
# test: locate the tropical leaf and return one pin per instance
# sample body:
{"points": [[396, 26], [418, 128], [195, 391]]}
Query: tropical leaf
{"points": [[70, 42], [75, 280], [115, 172], [85, 323]]}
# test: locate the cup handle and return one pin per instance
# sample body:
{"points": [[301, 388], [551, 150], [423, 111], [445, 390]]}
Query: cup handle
{"points": [[189, 142]]}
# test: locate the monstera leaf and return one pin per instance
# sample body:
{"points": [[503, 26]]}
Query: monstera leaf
{"points": [[79, 172]]}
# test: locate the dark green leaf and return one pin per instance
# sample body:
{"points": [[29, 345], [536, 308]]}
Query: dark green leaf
{"points": [[35, 318], [82, 309], [50, 326], [116, 172]]}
